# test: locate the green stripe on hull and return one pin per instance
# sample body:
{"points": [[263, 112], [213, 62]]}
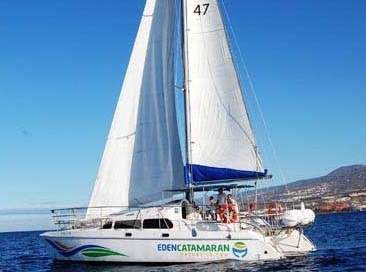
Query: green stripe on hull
{"points": [[100, 252]]}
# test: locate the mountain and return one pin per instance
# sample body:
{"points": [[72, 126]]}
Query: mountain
{"points": [[343, 179], [346, 183], [347, 170]]}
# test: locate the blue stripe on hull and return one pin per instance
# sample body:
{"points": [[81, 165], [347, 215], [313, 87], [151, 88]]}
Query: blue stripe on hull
{"points": [[201, 174]]}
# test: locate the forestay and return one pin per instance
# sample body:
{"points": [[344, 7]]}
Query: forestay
{"points": [[142, 155], [222, 144]]}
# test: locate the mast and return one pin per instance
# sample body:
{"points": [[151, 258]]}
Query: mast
{"points": [[188, 172]]}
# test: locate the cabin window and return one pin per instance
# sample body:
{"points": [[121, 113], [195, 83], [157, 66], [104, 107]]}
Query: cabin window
{"points": [[127, 224], [107, 225], [157, 224]]}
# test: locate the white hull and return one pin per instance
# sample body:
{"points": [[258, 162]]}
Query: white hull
{"points": [[148, 246], [178, 240]]}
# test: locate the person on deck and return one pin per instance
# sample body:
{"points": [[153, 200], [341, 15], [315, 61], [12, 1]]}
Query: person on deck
{"points": [[211, 209], [233, 209], [222, 205]]}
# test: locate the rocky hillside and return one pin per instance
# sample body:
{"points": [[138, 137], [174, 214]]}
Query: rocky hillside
{"points": [[338, 183], [343, 179]]}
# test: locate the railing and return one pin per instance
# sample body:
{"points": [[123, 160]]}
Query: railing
{"points": [[83, 217], [268, 224], [97, 217]]}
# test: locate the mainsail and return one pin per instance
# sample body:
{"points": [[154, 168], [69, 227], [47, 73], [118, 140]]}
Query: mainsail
{"points": [[221, 143], [142, 156]]}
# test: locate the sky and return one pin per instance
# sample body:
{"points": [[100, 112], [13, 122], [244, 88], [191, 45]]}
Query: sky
{"points": [[62, 64]]}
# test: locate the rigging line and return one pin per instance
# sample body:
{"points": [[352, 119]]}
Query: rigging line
{"points": [[208, 31], [251, 87]]}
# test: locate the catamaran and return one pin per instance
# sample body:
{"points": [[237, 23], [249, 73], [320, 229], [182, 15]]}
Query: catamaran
{"points": [[146, 205]]}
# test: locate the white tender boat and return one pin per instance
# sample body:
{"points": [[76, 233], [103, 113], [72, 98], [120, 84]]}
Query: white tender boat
{"points": [[142, 162]]}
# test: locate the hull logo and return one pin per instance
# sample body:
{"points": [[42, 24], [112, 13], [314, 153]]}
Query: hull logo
{"points": [[240, 249]]}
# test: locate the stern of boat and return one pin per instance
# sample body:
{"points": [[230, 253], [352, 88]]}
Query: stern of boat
{"points": [[292, 241]]}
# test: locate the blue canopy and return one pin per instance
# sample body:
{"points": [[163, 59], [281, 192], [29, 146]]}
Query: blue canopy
{"points": [[200, 174]]}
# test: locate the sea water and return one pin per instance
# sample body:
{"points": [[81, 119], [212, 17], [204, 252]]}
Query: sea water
{"points": [[340, 241]]}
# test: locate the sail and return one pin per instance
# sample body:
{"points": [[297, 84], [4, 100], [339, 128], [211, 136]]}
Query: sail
{"points": [[142, 156], [221, 142]]}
